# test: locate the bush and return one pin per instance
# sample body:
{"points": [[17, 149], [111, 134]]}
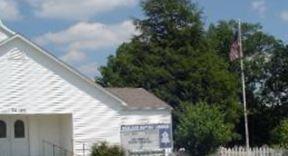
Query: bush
{"points": [[280, 134], [201, 129], [103, 149]]}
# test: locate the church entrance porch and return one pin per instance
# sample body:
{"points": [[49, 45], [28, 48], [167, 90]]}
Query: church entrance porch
{"points": [[35, 135]]}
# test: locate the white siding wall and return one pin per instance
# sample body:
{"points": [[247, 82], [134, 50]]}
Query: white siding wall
{"points": [[138, 117], [37, 85]]}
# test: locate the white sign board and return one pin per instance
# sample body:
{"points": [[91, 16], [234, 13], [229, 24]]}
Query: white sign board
{"points": [[146, 137]]}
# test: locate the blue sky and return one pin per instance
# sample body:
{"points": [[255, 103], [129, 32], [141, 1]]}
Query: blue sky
{"points": [[84, 32]]}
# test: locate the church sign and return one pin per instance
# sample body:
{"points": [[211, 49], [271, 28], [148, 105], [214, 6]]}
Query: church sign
{"points": [[146, 137]]}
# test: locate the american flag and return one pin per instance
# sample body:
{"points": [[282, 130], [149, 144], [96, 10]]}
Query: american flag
{"points": [[235, 48]]}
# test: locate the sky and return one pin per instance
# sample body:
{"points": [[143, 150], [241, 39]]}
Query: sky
{"points": [[83, 33]]}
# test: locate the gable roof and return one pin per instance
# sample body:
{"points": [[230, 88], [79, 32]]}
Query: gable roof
{"points": [[139, 98], [15, 36], [131, 98]]}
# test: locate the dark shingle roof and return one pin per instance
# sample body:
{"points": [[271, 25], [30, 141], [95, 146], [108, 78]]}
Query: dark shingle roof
{"points": [[138, 98]]}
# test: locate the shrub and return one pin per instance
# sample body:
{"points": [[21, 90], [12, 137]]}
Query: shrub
{"points": [[103, 149], [201, 129], [280, 134]]}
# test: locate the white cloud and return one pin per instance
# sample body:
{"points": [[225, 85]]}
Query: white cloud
{"points": [[90, 69], [76, 9], [284, 16], [260, 7], [74, 56], [83, 37], [9, 10]]}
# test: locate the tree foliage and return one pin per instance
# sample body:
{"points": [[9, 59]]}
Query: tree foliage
{"points": [[172, 58], [260, 50], [202, 129], [103, 149], [180, 61], [280, 134]]}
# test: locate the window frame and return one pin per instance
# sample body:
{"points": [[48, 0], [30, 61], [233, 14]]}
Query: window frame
{"points": [[5, 129], [19, 129]]}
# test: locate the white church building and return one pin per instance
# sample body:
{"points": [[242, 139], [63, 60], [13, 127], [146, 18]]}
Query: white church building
{"points": [[47, 108]]}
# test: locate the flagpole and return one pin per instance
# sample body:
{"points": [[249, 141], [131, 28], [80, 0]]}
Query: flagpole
{"points": [[243, 87]]}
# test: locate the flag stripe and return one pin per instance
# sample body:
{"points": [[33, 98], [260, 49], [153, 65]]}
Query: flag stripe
{"points": [[235, 48]]}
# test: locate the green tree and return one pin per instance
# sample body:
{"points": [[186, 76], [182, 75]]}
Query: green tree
{"points": [[280, 134], [275, 90], [202, 129], [172, 58], [258, 48], [255, 41], [276, 86], [103, 149]]}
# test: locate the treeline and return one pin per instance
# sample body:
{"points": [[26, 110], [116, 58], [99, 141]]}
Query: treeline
{"points": [[187, 64]]}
